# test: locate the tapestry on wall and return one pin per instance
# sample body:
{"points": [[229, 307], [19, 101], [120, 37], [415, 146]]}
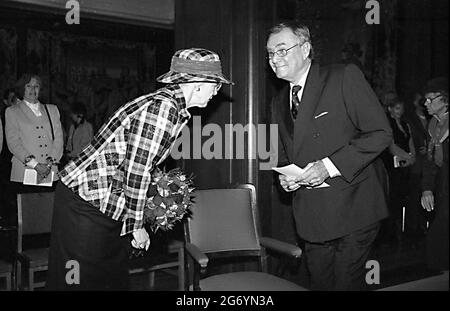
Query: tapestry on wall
{"points": [[8, 61], [102, 74]]}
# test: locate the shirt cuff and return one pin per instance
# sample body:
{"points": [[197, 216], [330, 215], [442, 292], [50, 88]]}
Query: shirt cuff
{"points": [[32, 163], [332, 170]]}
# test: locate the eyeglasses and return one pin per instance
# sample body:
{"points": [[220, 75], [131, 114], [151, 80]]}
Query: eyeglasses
{"points": [[281, 52], [430, 100]]}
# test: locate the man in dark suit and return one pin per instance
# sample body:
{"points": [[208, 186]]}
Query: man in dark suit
{"points": [[334, 127]]}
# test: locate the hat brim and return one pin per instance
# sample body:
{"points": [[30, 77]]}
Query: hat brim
{"points": [[173, 77]]}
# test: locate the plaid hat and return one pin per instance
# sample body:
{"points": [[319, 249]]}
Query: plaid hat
{"points": [[194, 65]]}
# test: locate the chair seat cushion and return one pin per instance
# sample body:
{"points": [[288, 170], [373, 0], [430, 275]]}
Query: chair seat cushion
{"points": [[247, 281], [37, 257]]}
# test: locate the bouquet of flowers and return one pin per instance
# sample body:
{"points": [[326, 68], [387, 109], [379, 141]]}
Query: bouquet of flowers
{"points": [[169, 199]]}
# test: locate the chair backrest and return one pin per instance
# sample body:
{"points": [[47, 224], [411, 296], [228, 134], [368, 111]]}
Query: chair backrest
{"points": [[34, 214], [225, 221]]}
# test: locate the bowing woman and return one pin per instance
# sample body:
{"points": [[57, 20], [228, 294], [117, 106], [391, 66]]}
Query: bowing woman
{"points": [[101, 196]]}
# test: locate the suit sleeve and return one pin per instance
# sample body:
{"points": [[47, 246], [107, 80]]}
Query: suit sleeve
{"points": [[12, 133], [373, 132]]}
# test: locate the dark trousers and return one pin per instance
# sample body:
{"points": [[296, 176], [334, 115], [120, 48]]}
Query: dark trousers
{"points": [[340, 264], [83, 235]]}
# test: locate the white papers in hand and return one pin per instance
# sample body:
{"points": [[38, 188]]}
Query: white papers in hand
{"points": [[293, 170]]}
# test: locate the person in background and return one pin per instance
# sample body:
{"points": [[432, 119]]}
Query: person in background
{"points": [[7, 196], [9, 98], [401, 156], [435, 184], [101, 196], [416, 218], [33, 132], [80, 131]]}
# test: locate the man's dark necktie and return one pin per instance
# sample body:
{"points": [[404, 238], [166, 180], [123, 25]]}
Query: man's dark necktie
{"points": [[295, 100]]}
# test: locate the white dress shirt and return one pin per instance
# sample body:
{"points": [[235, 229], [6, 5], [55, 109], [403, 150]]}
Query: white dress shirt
{"points": [[37, 112], [34, 107]]}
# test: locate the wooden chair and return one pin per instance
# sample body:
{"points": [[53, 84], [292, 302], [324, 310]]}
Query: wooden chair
{"points": [[224, 224], [34, 216], [6, 272]]}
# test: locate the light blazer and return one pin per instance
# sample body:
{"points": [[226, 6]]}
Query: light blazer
{"points": [[339, 117], [27, 134]]}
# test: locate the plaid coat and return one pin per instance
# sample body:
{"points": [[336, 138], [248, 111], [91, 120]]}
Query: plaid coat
{"points": [[114, 171]]}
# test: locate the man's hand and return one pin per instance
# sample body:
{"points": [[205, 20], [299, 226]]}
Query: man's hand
{"points": [[288, 183], [314, 175], [141, 239], [427, 200]]}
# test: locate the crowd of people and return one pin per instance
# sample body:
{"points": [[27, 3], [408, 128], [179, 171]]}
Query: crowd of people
{"points": [[415, 214]]}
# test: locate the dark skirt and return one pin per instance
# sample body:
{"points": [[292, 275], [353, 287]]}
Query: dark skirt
{"points": [[86, 249]]}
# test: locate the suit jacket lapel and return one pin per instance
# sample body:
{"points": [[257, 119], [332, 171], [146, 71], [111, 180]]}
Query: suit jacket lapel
{"points": [[310, 98]]}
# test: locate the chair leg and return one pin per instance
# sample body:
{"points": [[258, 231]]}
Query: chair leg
{"points": [[13, 277], [8, 282], [181, 272], [30, 280], [18, 275], [151, 279]]}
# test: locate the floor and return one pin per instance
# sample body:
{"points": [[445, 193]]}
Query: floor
{"points": [[398, 263]]}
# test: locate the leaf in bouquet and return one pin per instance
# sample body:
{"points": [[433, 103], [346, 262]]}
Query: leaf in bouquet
{"points": [[152, 190], [159, 212], [168, 201], [162, 183], [178, 198], [174, 187], [180, 212], [149, 213], [157, 200]]}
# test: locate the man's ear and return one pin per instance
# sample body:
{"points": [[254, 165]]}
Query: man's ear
{"points": [[306, 49]]}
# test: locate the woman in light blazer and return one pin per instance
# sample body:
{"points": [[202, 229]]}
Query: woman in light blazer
{"points": [[33, 132]]}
